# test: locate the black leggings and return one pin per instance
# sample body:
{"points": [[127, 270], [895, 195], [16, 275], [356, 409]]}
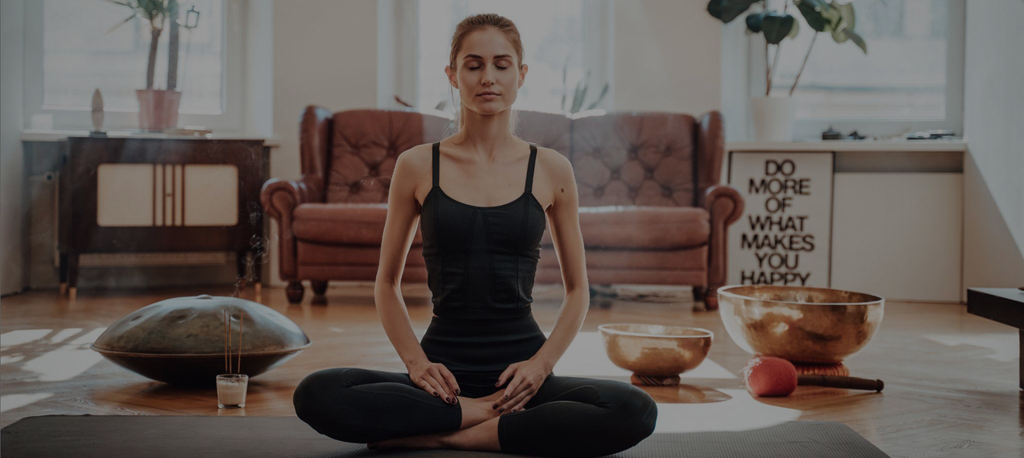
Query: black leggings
{"points": [[568, 416]]}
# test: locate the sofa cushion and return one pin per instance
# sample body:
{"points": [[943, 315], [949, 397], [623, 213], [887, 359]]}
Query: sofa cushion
{"points": [[644, 159], [637, 227], [343, 223]]}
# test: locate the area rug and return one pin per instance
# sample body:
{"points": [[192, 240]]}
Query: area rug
{"points": [[102, 436]]}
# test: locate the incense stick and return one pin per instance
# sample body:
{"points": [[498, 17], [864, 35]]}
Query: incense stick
{"points": [[226, 356], [241, 323], [229, 343]]}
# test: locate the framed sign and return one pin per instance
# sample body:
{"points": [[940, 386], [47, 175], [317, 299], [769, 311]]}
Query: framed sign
{"points": [[784, 236]]}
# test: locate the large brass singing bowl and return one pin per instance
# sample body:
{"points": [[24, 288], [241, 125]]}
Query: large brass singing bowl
{"points": [[652, 350], [801, 324]]}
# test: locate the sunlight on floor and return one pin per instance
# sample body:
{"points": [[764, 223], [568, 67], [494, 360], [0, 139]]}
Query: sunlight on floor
{"points": [[63, 363], [740, 413], [14, 401], [1005, 347]]}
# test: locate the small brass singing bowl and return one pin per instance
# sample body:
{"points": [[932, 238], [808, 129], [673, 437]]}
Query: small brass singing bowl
{"points": [[656, 354], [801, 324]]}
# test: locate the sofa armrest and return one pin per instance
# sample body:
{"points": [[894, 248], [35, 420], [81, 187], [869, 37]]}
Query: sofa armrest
{"points": [[279, 199], [725, 205]]}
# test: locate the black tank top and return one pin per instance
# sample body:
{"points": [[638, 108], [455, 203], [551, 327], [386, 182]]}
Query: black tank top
{"points": [[481, 261]]}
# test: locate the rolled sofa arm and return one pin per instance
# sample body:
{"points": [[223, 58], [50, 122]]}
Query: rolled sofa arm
{"points": [[279, 199], [725, 205]]}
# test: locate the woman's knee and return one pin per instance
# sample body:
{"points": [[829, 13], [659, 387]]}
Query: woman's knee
{"points": [[636, 414], [311, 391]]}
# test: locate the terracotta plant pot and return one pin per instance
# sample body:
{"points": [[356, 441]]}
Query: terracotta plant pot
{"points": [[158, 109]]}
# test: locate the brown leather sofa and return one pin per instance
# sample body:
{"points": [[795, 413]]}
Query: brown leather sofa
{"points": [[652, 210]]}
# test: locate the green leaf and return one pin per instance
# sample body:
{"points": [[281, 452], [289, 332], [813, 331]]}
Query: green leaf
{"points": [[777, 27], [816, 13], [847, 17], [119, 24], [599, 98], [727, 10], [857, 40], [755, 22]]}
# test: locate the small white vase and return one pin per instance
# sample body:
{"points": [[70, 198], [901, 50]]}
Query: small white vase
{"points": [[773, 118]]}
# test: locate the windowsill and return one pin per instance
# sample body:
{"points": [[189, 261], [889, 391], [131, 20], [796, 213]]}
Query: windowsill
{"points": [[30, 135], [958, 145]]}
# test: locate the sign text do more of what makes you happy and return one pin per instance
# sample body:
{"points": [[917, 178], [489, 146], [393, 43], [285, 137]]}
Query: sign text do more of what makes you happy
{"points": [[783, 236]]}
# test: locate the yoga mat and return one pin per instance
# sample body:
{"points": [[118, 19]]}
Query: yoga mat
{"points": [[116, 436]]}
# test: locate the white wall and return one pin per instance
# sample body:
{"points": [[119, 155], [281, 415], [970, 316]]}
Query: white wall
{"points": [[12, 42], [325, 53], [994, 167], [668, 56]]}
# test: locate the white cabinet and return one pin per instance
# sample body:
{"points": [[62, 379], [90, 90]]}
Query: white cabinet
{"points": [[898, 235]]}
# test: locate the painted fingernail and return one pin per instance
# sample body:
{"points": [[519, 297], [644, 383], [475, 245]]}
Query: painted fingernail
{"points": [[513, 410], [435, 393], [446, 398], [494, 407], [501, 409], [457, 392], [506, 397]]}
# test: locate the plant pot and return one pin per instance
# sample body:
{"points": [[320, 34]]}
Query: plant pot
{"points": [[158, 109], [773, 118]]}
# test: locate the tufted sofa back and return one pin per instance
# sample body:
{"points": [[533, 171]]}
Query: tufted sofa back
{"points": [[620, 158]]}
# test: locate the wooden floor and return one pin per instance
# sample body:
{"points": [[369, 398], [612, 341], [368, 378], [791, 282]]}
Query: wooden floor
{"points": [[950, 378]]}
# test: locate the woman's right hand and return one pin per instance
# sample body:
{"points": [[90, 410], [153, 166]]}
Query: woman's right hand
{"points": [[436, 380]]}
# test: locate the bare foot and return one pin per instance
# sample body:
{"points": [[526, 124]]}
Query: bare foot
{"points": [[478, 410]]}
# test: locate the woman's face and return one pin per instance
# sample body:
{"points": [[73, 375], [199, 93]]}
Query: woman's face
{"points": [[487, 76]]}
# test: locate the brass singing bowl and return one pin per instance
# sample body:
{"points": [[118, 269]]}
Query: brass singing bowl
{"points": [[654, 350], [801, 324]]}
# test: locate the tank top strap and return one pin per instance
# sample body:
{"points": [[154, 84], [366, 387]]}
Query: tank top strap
{"points": [[436, 163], [529, 170]]}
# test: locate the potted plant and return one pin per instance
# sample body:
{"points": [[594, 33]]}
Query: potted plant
{"points": [[158, 109], [773, 116]]}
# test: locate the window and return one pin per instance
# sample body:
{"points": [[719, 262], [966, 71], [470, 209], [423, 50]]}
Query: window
{"points": [[72, 51], [910, 79], [570, 34]]}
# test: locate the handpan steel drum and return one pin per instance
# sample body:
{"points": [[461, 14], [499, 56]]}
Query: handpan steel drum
{"points": [[181, 340], [801, 324]]}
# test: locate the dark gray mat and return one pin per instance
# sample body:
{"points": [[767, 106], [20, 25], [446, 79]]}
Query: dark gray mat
{"points": [[101, 436]]}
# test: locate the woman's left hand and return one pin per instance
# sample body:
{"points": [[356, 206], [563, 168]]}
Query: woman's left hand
{"points": [[527, 377]]}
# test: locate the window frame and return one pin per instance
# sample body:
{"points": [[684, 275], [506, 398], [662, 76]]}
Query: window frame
{"points": [[398, 61], [232, 118], [804, 129]]}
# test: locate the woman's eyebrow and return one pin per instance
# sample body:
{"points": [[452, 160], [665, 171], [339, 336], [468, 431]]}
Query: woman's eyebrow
{"points": [[468, 56]]}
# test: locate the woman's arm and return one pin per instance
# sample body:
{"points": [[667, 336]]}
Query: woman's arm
{"points": [[399, 231], [564, 223]]}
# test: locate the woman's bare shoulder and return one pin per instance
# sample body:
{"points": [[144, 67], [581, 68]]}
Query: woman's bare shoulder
{"points": [[555, 165], [415, 161]]}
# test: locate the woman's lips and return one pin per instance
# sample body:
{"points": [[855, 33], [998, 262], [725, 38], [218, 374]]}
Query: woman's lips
{"points": [[488, 96]]}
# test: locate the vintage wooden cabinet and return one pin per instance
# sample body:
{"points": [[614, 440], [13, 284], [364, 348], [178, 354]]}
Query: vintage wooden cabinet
{"points": [[133, 195]]}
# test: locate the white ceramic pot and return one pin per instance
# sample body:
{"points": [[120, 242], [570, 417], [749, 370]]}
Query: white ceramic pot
{"points": [[773, 118]]}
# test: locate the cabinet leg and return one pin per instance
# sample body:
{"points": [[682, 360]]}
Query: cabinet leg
{"points": [[72, 274], [62, 262], [294, 291], [240, 265]]}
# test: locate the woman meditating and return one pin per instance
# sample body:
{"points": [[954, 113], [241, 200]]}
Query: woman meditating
{"points": [[481, 377]]}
